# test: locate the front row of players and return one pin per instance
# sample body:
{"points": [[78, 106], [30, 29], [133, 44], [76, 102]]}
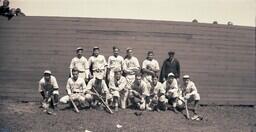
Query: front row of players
{"points": [[120, 92]]}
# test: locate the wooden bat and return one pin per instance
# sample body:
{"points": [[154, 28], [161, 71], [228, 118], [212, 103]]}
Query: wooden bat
{"points": [[98, 95], [186, 107], [74, 105]]}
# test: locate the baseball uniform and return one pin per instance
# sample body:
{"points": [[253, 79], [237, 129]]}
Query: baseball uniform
{"points": [[114, 63], [130, 66], [82, 65], [98, 65], [190, 91]]}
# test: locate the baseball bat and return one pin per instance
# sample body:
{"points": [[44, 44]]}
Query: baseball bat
{"points": [[98, 95], [74, 105]]}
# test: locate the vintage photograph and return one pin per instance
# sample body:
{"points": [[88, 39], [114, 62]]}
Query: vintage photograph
{"points": [[128, 66]]}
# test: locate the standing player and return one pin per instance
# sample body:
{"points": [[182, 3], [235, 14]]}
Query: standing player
{"points": [[150, 67], [97, 63], [117, 86], [81, 63], [172, 90], [75, 88], [114, 62], [48, 88], [170, 65], [190, 93]]}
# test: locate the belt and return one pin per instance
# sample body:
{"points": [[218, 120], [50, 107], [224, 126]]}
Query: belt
{"points": [[77, 92]]}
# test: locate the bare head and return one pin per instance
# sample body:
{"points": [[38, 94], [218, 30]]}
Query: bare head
{"points": [[129, 52], [150, 55], [115, 51], [96, 51], [75, 73]]}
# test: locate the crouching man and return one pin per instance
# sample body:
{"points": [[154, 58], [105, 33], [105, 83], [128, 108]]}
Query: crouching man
{"points": [[75, 88], [97, 91], [172, 91], [48, 88], [118, 89], [157, 97], [190, 93], [138, 93]]}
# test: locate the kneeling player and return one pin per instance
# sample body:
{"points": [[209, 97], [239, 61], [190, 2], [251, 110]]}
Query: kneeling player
{"points": [[157, 97], [75, 88], [189, 92], [48, 88]]}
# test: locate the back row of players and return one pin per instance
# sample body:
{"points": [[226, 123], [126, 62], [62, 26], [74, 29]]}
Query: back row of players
{"points": [[122, 83]]}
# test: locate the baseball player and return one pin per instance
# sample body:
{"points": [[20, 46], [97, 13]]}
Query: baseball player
{"points": [[97, 86], [172, 90], [114, 62], [138, 93], [118, 89], [48, 88], [81, 63], [97, 63], [131, 66], [150, 67], [75, 88], [189, 92], [157, 95], [170, 65]]}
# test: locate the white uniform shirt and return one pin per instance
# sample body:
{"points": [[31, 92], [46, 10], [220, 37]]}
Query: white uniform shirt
{"points": [[115, 62], [140, 88], [98, 63], [75, 86], [130, 64], [121, 84], [43, 83], [190, 88], [171, 87], [101, 88], [147, 64], [158, 89], [81, 64]]}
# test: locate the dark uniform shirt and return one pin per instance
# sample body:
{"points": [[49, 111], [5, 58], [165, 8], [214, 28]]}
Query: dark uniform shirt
{"points": [[168, 67]]}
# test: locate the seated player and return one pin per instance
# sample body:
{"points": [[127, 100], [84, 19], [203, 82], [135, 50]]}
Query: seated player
{"points": [[118, 89], [75, 88], [172, 90], [96, 89], [48, 88], [157, 97], [138, 93]]}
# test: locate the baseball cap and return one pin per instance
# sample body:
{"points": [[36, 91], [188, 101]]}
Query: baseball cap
{"points": [[171, 52], [95, 47], [47, 72], [186, 77], [171, 75], [79, 48]]}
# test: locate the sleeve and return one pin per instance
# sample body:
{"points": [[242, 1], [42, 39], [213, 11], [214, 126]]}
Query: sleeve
{"points": [[109, 59], [55, 83], [161, 89], [104, 61], [86, 67], [137, 62], [112, 84], [123, 84], [105, 87], [72, 65], [68, 87], [194, 89], [145, 91], [157, 66], [89, 85], [144, 66], [40, 86], [83, 85], [89, 62]]}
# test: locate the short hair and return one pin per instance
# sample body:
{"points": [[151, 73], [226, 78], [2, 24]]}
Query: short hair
{"points": [[150, 52], [114, 47], [154, 76], [138, 74], [171, 52], [75, 69]]}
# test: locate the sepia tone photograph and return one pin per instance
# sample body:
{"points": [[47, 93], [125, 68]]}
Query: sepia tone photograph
{"points": [[128, 66]]}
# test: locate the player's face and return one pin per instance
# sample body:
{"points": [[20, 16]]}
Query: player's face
{"points": [[5, 3], [186, 81], [138, 78], [79, 53], [154, 80], [171, 56], [47, 77], [129, 53], [150, 56], [75, 74], [96, 52], [115, 52], [118, 75], [170, 79]]}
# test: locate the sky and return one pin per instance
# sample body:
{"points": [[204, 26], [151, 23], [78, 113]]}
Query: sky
{"points": [[240, 12]]}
